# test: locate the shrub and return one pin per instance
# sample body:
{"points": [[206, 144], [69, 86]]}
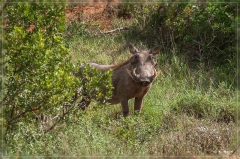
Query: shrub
{"points": [[39, 81], [97, 85], [37, 70], [203, 33]]}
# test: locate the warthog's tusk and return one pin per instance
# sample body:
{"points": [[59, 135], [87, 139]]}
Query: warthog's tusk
{"points": [[154, 76], [135, 77], [130, 74], [134, 73], [156, 73]]}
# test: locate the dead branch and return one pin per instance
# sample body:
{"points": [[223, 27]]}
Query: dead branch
{"points": [[14, 119], [59, 119], [114, 30]]}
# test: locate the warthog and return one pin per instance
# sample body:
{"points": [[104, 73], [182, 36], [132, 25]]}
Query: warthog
{"points": [[131, 78]]}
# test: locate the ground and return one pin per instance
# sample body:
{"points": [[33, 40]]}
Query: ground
{"points": [[100, 13]]}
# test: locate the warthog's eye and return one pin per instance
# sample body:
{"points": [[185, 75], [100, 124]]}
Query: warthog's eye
{"points": [[151, 57], [136, 57]]}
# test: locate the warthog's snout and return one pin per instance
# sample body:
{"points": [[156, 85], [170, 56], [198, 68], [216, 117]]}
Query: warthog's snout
{"points": [[145, 82]]}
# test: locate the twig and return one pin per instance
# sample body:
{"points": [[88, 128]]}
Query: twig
{"points": [[4, 6], [59, 120], [234, 151], [198, 42], [114, 30], [11, 121]]}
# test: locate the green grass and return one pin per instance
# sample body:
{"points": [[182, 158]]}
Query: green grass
{"points": [[187, 111]]}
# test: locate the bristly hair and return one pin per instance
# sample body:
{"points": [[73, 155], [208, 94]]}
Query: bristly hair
{"points": [[114, 67]]}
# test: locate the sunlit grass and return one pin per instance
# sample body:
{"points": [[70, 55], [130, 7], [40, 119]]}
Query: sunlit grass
{"points": [[180, 112], [186, 112]]}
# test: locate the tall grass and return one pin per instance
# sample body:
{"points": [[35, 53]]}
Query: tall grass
{"points": [[187, 112]]}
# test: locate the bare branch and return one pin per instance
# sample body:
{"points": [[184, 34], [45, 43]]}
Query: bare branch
{"points": [[4, 6], [114, 30], [59, 119], [11, 121]]}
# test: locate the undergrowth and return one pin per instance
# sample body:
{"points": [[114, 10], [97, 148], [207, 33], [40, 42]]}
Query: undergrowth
{"points": [[184, 113], [188, 111]]}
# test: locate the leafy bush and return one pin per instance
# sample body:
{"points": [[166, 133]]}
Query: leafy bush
{"points": [[202, 33], [39, 84], [76, 29], [38, 67], [95, 84], [38, 62]]}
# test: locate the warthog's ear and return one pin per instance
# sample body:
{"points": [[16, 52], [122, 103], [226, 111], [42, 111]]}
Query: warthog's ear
{"points": [[155, 50], [132, 49]]}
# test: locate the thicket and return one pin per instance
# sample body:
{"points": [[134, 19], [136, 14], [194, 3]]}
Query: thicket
{"points": [[198, 46], [37, 70], [203, 35], [39, 85]]}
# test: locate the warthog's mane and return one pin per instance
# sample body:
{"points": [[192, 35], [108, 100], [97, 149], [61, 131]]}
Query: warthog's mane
{"points": [[119, 65]]}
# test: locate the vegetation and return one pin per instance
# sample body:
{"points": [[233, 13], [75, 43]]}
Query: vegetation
{"points": [[39, 84], [190, 110]]}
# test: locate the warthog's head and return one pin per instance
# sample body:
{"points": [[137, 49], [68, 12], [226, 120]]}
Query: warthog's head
{"points": [[143, 64]]}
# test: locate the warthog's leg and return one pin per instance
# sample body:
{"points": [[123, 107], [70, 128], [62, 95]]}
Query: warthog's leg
{"points": [[138, 103], [139, 100], [125, 107]]}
